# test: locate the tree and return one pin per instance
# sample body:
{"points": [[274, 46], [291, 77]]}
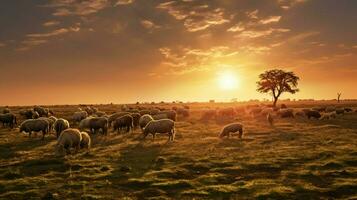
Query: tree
{"points": [[338, 97], [276, 82]]}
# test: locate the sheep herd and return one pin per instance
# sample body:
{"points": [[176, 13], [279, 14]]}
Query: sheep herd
{"points": [[157, 120]]}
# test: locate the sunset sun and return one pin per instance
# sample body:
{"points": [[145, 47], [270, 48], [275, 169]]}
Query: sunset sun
{"points": [[227, 80]]}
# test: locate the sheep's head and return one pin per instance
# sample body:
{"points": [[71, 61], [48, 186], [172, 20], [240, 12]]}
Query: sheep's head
{"points": [[59, 150]]}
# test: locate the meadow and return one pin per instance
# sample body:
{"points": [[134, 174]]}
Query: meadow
{"points": [[297, 158]]}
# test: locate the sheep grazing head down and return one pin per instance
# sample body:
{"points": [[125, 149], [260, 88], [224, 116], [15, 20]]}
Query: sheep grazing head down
{"points": [[59, 150]]}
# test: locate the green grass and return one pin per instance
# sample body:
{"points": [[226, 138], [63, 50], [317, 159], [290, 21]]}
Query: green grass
{"points": [[295, 159]]}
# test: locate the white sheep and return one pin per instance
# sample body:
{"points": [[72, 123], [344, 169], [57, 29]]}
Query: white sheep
{"points": [[69, 138]]}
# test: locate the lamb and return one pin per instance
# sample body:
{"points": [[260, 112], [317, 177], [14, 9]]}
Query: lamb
{"points": [[69, 138], [98, 123], [171, 114], [35, 125], [144, 120], [232, 128], [160, 126], [270, 119], [60, 125], [114, 116], [313, 114], [136, 118], [8, 119], [125, 121], [86, 141], [79, 116]]}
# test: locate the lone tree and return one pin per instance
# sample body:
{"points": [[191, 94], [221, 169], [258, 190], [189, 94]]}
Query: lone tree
{"points": [[276, 82], [338, 97]]}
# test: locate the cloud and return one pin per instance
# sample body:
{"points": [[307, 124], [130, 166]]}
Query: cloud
{"points": [[236, 28], [261, 33], [123, 2], [51, 23], [196, 16], [271, 19], [287, 4], [185, 60], [56, 32], [149, 24], [77, 7]]}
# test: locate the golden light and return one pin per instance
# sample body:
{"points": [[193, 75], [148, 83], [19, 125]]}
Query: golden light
{"points": [[228, 80]]}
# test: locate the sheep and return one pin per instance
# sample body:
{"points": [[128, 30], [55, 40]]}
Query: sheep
{"points": [[313, 114], [144, 112], [154, 111], [340, 111], [8, 119], [144, 120], [270, 119], [84, 124], [114, 116], [27, 114], [125, 121], [160, 126], [159, 116], [35, 125], [86, 141], [43, 112], [136, 118], [89, 110], [232, 128], [348, 109], [79, 116], [6, 110], [299, 114], [69, 138], [283, 106], [98, 123], [171, 114], [183, 111], [50, 122], [267, 111], [319, 109], [330, 109], [100, 114], [328, 116], [286, 113], [60, 125], [35, 115], [209, 114]]}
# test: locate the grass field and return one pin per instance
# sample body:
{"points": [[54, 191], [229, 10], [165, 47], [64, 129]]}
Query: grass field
{"points": [[295, 159]]}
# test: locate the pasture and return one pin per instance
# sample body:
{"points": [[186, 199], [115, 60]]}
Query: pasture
{"points": [[297, 158]]}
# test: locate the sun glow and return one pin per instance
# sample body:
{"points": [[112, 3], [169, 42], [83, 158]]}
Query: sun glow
{"points": [[228, 80]]}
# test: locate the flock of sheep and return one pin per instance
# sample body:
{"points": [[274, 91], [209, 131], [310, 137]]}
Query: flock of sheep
{"points": [[150, 120]]}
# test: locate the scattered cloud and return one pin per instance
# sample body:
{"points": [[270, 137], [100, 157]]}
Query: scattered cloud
{"points": [[195, 16], [149, 24], [287, 4], [271, 19], [77, 7], [260, 33], [51, 23], [123, 2], [56, 32]]}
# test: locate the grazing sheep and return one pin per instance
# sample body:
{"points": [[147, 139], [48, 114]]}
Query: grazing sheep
{"points": [[6, 110], [232, 128], [69, 138], [171, 114], [160, 126], [208, 114], [328, 116], [330, 109], [136, 118], [100, 114], [348, 109], [226, 112], [35, 115], [319, 109], [144, 112], [8, 119], [270, 119], [286, 113], [154, 111], [183, 111], [86, 141], [28, 114], [50, 122], [340, 111], [313, 114], [114, 116], [159, 116], [60, 125], [84, 124], [98, 123], [35, 125], [144, 120], [125, 121], [43, 112], [79, 116], [299, 114]]}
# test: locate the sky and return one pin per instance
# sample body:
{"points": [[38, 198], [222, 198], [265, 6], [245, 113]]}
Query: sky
{"points": [[124, 51]]}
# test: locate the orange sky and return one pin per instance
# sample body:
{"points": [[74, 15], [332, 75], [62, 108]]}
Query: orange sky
{"points": [[124, 51]]}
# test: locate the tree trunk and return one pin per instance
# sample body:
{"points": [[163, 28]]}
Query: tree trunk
{"points": [[275, 100]]}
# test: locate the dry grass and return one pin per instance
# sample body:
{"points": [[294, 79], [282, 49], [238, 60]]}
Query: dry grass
{"points": [[297, 158]]}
